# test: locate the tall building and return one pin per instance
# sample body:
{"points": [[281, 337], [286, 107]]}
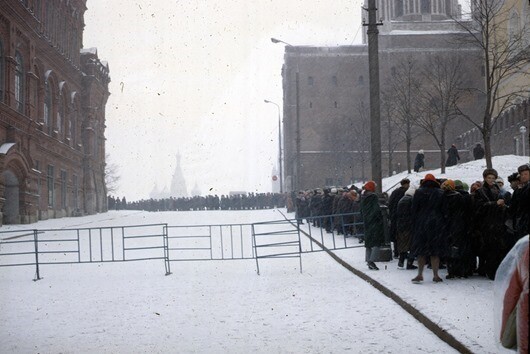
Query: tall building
{"points": [[326, 96], [53, 94]]}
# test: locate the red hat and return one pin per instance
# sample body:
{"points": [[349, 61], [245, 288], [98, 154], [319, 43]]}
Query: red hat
{"points": [[429, 177], [369, 186]]}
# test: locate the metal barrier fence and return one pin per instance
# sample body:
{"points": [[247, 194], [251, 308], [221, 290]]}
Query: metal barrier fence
{"points": [[84, 245], [210, 242], [262, 240]]}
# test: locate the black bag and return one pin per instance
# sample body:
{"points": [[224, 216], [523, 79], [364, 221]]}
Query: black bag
{"points": [[381, 254]]}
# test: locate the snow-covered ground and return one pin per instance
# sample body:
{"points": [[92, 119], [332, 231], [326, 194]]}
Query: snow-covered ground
{"points": [[225, 307]]}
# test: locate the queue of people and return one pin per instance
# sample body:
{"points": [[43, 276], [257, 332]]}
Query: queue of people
{"points": [[442, 223]]}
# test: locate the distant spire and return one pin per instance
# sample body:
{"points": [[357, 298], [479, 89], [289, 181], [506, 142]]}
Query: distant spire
{"points": [[178, 183]]}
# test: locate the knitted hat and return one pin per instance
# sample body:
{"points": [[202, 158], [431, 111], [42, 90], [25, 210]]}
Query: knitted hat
{"points": [[429, 177], [370, 186], [459, 184], [448, 185], [490, 171]]}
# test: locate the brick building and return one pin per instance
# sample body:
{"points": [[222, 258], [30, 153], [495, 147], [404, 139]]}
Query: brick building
{"points": [[326, 98], [52, 113]]}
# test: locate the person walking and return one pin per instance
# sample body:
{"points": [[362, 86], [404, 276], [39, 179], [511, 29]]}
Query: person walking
{"points": [[427, 238], [419, 161], [452, 156], [374, 233], [478, 152]]}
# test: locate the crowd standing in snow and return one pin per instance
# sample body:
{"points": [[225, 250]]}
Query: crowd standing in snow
{"points": [[212, 202], [441, 223]]}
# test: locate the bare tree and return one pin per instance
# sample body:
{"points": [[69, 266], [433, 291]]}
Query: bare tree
{"points": [[361, 138], [405, 87], [506, 55], [443, 77], [112, 178], [392, 132]]}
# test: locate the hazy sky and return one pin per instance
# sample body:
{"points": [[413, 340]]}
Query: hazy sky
{"points": [[191, 76]]}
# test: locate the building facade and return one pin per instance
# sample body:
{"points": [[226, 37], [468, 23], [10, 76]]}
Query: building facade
{"points": [[326, 97], [52, 113]]}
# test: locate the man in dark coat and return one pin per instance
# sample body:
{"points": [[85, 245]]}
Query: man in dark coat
{"points": [[427, 239], [419, 161], [393, 201], [520, 203], [452, 156], [374, 233], [478, 152], [454, 230], [404, 229], [489, 218]]}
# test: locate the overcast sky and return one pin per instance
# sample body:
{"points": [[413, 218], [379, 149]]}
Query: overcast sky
{"points": [[191, 76]]}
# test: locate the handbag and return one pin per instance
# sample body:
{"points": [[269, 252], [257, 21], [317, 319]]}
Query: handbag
{"points": [[381, 254], [509, 335]]}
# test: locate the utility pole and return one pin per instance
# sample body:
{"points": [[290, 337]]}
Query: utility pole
{"points": [[375, 114]]}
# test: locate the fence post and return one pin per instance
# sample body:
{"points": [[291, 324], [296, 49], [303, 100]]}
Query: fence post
{"points": [[166, 250], [36, 243]]}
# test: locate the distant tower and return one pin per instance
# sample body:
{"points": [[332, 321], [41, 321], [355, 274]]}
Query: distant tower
{"points": [[155, 193], [178, 183]]}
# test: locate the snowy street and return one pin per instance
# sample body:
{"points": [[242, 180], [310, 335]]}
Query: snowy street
{"points": [[224, 306]]}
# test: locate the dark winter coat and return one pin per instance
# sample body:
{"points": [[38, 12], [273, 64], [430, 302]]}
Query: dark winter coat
{"points": [[478, 152], [374, 234], [427, 238], [419, 162], [489, 221], [452, 156], [403, 221], [520, 210], [393, 201]]}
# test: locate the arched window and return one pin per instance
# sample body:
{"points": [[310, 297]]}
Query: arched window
{"points": [[60, 116], [19, 82], [425, 6], [47, 107], [398, 8], [2, 72]]}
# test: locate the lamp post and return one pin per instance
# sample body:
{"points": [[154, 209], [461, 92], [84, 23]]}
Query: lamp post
{"points": [[279, 143], [296, 178], [522, 130]]}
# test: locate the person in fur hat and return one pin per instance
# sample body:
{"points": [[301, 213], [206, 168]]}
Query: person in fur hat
{"points": [[490, 209]]}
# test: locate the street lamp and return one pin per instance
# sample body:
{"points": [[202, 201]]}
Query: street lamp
{"points": [[297, 171], [279, 143], [522, 130]]}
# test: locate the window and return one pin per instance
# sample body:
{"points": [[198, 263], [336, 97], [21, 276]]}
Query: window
{"points": [[360, 81], [2, 72], [329, 182], [310, 80], [336, 104], [310, 104], [398, 8], [63, 189], [51, 188], [47, 107], [335, 81], [19, 82], [483, 71], [425, 6]]}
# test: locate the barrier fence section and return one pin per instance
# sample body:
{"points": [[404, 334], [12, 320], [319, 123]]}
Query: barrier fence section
{"points": [[210, 242], [84, 245], [276, 239], [338, 231], [287, 238]]}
